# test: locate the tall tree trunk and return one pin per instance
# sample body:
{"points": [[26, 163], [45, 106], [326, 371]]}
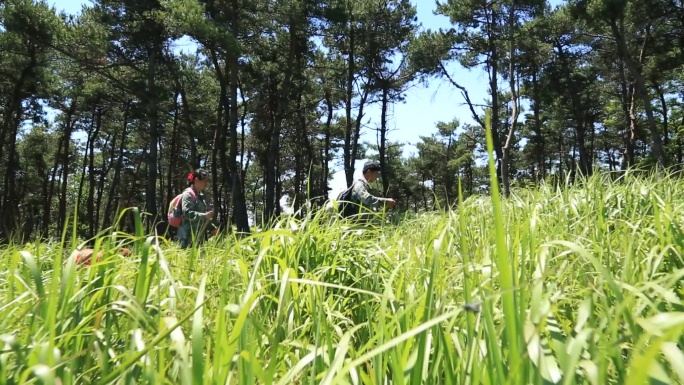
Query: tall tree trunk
{"points": [[663, 106], [46, 206], [630, 144], [8, 134], [90, 204], [448, 179], [326, 145], [383, 136], [577, 109], [151, 190], [273, 185], [227, 170], [238, 196], [496, 140], [680, 147], [114, 187], [539, 136], [629, 136], [592, 144], [84, 173], [218, 150], [584, 155], [493, 71], [514, 103], [640, 84], [244, 162], [187, 122], [357, 133], [105, 167], [161, 175], [68, 127], [422, 194], [47, 202], [351, 72], [298, 181], [171, 172], [304, 151], [561, 157]]}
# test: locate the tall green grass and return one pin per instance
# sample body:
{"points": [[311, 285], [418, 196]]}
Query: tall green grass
{"points": [[564, 286]]}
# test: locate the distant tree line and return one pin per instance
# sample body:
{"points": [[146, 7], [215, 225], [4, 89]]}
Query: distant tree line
{"points": [[99, 113]]}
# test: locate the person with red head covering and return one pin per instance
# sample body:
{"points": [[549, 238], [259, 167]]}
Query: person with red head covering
{"points": [[197, 217]]}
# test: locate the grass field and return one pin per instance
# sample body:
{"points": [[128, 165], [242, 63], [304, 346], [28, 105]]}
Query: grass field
{"points": [[576, 286]]}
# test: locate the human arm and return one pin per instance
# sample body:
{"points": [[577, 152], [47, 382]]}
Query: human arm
{"points": [[192, 211]]}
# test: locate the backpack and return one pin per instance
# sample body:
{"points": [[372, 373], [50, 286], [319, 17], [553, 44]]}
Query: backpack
{"points": [[175, 212], [346, 205]]}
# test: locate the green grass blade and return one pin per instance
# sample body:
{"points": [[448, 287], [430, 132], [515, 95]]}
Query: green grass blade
{"points": [[197, 336]]}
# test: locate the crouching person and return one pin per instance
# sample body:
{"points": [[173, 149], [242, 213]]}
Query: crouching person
{"points": [[197, 217], [360, 203], [85, 256]]}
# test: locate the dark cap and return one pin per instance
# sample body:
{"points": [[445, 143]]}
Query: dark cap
{"points": [[371, 166], [201, 173]]}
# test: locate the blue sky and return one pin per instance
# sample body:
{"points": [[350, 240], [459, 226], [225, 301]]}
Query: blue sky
{"points": [[424, 107]]}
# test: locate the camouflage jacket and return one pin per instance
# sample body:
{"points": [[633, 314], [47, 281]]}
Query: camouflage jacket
{"points": [[194, 216], [361, 194]]}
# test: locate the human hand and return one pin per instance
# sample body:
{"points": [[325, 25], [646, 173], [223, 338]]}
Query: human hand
{"points": [[209, 215], [391, 202]]}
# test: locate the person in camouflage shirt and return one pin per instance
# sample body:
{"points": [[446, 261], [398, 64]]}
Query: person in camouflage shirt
{"points": [[361, 191], [197, 216]]}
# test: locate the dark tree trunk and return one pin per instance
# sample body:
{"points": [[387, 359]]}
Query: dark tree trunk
{"points": [[114, 189], [493, 72], [68, 127], [577, 110], [629, 136], [642, 91], [106, 166], [383, 137], [90, 204], [273, 186], [326, 148], [238, 196], [8, 135], [171, 186], [633, 129], [298, 154], [539, 136], [151, 189], [663, 106], [84, 174], [506, 150], [47, 202], [351, 71]]}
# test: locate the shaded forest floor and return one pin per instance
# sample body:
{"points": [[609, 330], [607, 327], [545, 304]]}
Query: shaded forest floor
{"points": [[575, 286]]}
